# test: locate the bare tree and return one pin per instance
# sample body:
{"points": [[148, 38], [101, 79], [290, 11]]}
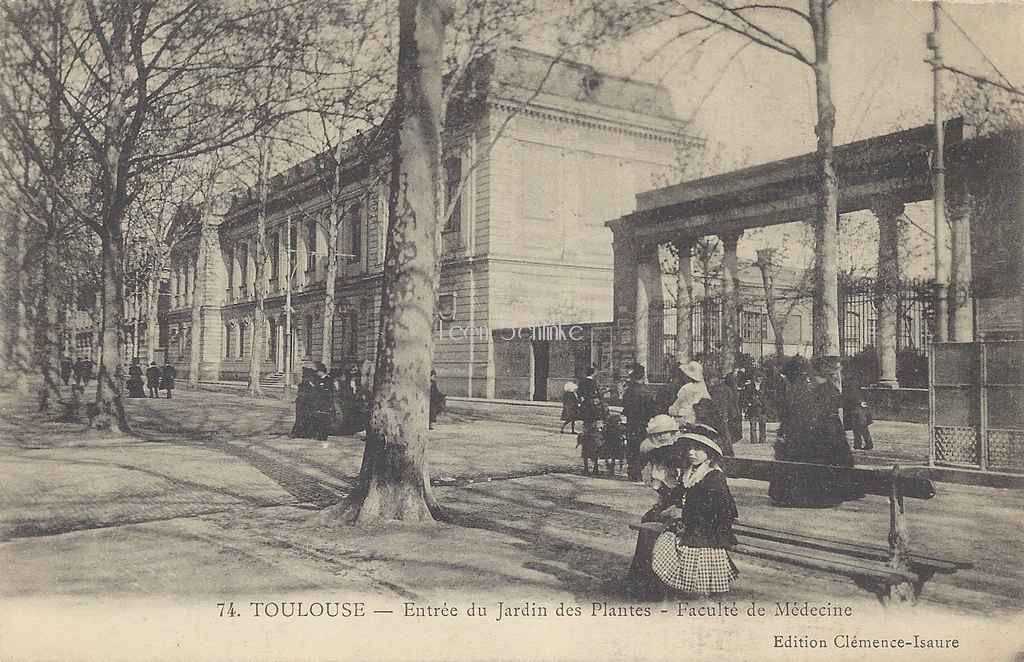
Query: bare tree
{"points": [[773, 26]]}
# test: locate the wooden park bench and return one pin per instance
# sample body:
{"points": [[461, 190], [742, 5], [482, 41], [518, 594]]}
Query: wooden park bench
{"points": [[892, 572]]}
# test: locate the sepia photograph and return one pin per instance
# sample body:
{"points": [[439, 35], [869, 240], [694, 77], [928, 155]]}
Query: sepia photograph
{"points": [[511, 330]]}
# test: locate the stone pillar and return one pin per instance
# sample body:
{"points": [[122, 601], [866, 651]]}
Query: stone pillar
{"points": [[684, 300], [888, 212], [960, 295], [624, 294], [730, 301], [650, 323]]}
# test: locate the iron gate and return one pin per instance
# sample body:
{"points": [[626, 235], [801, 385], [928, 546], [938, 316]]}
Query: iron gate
{"points": [[976, 405]]}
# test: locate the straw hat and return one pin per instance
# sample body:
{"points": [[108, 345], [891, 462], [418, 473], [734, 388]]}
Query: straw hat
{"points": [[705, 436], [569, 387], [662, 423], [693, 370]]}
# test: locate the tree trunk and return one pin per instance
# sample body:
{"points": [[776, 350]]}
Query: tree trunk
{"points": [[259, 318], [48, 328], [394, 482], [764, 263], [110, 376], [152, 314], [825, 332], [17, 350], [331, 255], [110, 379]]}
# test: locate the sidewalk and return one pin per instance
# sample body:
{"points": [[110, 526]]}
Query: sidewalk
{"points": [[211, 502]]}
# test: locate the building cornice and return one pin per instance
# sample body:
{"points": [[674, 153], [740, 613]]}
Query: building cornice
{"points": [[638, 126]]}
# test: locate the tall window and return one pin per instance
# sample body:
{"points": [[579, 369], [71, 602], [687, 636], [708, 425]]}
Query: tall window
{"points": [[272, 340], [452, 179], [309, 334], [356, 249], [241, 339], [293, 250], [243, 267], [228, 332], [229, 260], [275, 254], [311, 246]]}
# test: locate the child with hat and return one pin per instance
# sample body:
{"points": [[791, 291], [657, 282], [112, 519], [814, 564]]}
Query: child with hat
{"points": [[691, 555]]}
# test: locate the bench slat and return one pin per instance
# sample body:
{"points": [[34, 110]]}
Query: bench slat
{"points": [[827, 564], [859, 550], [871, 481]]}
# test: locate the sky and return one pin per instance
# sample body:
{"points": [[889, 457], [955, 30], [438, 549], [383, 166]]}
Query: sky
{"points": [[762, 107], [755, 105]]}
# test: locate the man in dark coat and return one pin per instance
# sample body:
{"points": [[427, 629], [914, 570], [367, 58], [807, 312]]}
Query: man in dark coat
{"points": [[857, 415], [153, 379], [588, 386], [756, 400], [323, 402], [638, 408], [167, 377], [305, 406]]}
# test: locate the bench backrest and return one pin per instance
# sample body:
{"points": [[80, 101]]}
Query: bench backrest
{"points": [[871, 481]]}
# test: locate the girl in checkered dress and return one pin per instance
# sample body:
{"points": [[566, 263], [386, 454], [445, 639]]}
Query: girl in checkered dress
{"points": [[691, 555]]}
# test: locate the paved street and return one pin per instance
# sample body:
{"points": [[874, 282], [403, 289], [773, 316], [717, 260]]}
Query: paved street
{"points": [[212, 498]]}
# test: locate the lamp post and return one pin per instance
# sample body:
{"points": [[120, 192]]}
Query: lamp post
{"points": [[939, 185]]}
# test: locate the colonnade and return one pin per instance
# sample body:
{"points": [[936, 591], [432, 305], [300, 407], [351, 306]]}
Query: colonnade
{"points": [[639, 263]]}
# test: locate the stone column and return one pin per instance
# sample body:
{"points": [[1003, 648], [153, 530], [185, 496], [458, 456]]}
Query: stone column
{"points": [[684, 300], [887, 211], [624, 293], [730, 300], [649, 329], [960, 295]]}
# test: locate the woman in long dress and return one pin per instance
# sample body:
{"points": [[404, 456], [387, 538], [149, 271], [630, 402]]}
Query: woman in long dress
{"points": [[692, 554], [692, 391]]}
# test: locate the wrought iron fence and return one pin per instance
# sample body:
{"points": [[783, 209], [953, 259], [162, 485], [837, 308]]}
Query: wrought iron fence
{"points": [[858, 323]]}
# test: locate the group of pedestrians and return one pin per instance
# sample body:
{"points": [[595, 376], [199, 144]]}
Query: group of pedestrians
{"points": [[338, 402], [157, 379]]}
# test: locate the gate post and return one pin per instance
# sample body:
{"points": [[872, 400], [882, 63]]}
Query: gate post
{"points": [[982, 405]]}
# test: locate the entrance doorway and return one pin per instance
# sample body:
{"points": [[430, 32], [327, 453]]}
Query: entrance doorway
{"points": [[541, 364]]}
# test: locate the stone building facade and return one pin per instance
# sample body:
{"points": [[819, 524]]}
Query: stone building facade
{"points": [[549, 151]]}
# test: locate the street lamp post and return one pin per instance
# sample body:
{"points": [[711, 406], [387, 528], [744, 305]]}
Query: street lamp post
{"points": [[939, 185]]}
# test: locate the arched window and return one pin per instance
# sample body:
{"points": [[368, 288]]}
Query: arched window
{"points": [[241, 338], [229, 331], [308, 328]]}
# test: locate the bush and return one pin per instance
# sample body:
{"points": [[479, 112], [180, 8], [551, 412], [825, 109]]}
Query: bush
{"points": [[911, 369], [863, 367]]}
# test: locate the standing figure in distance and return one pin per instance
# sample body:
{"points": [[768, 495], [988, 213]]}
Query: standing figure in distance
{"points": [[756, 398], [857, 415], [437, 399], [153, 379], [570, 407], [167, 376]]}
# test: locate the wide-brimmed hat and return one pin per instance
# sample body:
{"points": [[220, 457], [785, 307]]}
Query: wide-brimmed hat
{"points": [[704, 435], [569, 387], [662, 423], [693, 370]]}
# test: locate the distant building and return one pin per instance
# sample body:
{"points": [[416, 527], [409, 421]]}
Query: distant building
{"points": [[525, 248]]}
